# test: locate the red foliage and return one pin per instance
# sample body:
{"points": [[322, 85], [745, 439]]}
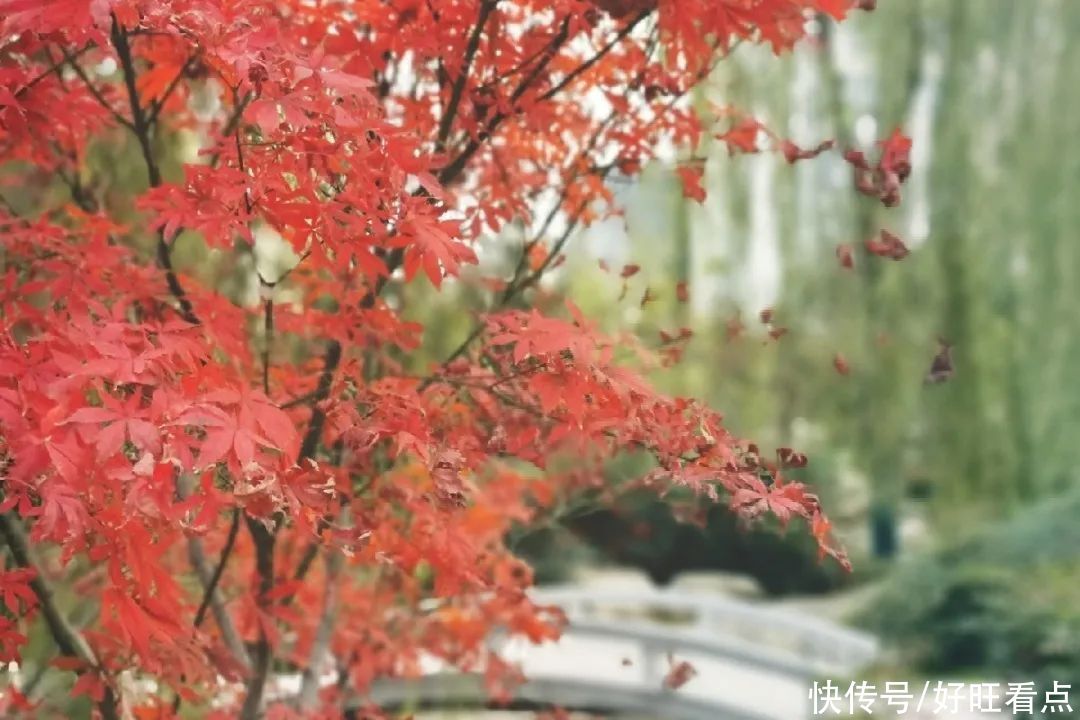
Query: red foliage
{"points": [[679, 674], [845, 256], [883, 180], [682, 292], [691, 182], [888, 246], [198, 448], [841, 364]]}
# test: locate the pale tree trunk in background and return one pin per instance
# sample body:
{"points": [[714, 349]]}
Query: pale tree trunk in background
{"points": [[878, 422]]}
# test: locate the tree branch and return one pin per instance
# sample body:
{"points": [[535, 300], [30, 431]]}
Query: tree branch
{"points": [[309, 686], [588, 64], [516, 284], [268, 331], [549, 54], [139, 123], [159, 104], [70, 60], [447, 122], [264, 540], [211, 581], [55, 67], [318, 416], [451, 171], [68, 640], [211, 598], [141, 129], [232, 123], [306, 560]]}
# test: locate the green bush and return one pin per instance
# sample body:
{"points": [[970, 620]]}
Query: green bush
{"points": [[643, 533], [1005, 603]]}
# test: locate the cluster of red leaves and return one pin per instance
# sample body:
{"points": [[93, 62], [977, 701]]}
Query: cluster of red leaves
{"points": [[178, 456], [887, 245], [883, 180], [748, 135], [20, 603]]}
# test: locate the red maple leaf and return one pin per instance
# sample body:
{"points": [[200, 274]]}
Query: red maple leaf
{"points": [[888, 246], [691, 176], [845, 256], [432, 246], [678, 674], [841, 364], [743, 136]]}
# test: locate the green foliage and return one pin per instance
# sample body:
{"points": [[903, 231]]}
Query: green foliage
{"points": [[643, 533], [678, 534], [1005, 602]]}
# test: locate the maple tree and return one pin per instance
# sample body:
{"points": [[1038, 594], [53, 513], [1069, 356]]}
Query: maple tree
{"points": [[245, 490]]}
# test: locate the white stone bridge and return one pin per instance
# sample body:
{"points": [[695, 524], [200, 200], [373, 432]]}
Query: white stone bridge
{"points": [[752, 662]]}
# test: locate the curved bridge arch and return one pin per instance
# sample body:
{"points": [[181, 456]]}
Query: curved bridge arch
{"points": [[753, 663]]}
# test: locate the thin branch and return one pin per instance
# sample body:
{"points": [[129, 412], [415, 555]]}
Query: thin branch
{"points": [[210, 586], [159, 103], [232, 123], [511, 290], [447, 122], [141, 129], [187, 310], [515, 285], [238, 112], [309, 686], [243, 169], [264, 540], [318, 415], [55, 67], [451, 171], [331, 360], [299, 400], [549, 54], [209, 580], [211, 597], [306, 561], [312, 549], [78, 193], [589, 147], [520, 67], [68, 640], [588, 64], [139, 124], [268, 340], [70, 60], [268, 312]]}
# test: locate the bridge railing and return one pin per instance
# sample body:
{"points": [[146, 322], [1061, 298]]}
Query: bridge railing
{"points": [[754, 662], [817, 646]]}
